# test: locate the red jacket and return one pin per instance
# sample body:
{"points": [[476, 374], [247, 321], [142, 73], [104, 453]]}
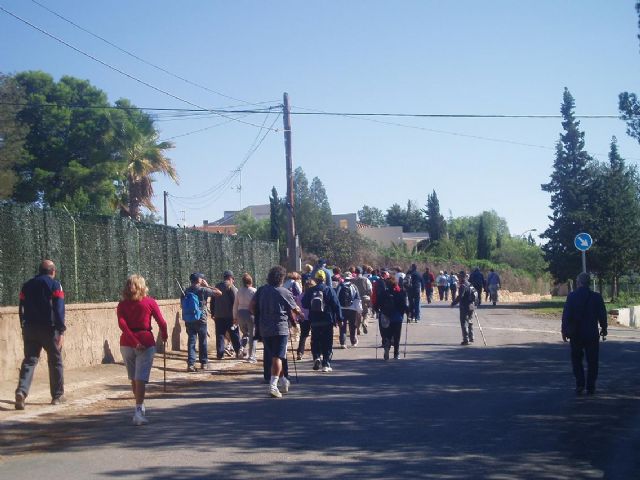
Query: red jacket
{"points": [[134, 319]]}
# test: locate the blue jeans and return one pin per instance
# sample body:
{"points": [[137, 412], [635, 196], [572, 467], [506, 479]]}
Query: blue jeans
{"points": [[197, 329]]}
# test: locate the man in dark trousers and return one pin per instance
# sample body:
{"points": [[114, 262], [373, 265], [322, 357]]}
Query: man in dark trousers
{"points": [[413, 286], [467, 301], [222, 311], [41, 311], [582, 313], [477, 281]]}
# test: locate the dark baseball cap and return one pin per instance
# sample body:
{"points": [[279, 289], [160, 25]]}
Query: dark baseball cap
{"points": [[196, 276], [227, 274]]}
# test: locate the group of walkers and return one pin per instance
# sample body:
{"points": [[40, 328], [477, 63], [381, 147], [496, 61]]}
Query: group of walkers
{"points": [[315, 302]]}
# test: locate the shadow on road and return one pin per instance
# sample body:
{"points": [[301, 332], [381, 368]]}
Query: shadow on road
{"points": [[503, 412]]}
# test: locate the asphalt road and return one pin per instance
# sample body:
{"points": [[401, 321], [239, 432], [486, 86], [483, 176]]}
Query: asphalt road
{"points": [[506, 411]]}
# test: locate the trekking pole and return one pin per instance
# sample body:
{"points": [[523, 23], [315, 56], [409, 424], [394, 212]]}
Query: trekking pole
{"points": [[293, 356], [480, 327], [377, 327], [179, 286], [165, 365], [406, 335]]}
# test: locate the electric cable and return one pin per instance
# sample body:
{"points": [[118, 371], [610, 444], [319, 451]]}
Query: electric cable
{"points": [[140, 59], [115, 69]]}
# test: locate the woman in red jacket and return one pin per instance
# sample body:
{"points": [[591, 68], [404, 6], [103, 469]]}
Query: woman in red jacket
{"points": [[137, 342]]}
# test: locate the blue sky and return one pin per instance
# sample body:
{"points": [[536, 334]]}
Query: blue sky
{"points": [[450, 57]]}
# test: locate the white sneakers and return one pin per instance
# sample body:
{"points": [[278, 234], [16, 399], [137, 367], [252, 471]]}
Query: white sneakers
{"points": [[274, 392], [139, 418], [327, 369], [284, 385]]}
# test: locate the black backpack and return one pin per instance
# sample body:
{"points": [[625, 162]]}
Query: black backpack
{"points": [[317, 301], [345, 295], [387, 301]]}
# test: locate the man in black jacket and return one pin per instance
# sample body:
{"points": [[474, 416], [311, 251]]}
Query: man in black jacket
{"points": [[41, 311], [222, 311], [582, 313], [467, 301]]}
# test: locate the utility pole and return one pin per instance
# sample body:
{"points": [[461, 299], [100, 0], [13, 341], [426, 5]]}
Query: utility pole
{"points": [[166, 194], [292, 253]]}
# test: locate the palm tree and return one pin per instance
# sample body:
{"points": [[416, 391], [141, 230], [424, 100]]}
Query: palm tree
{"points": [[143, 156]]}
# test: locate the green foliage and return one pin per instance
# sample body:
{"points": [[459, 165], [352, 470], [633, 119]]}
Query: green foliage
{"points": [[572, 204], [12, 135], [312, 210], [483, 248], [342, 247], [72, 157], [371, 216], [248, 226], [522, 255], [410, 218], [435, 223]]}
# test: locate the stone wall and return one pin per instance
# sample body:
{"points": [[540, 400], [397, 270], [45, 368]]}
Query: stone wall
{"points": [[92, 337]]}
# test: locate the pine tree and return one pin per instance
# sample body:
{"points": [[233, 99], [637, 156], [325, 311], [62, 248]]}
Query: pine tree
{"points": [[617, 210], [570, 187], [436, 225]]}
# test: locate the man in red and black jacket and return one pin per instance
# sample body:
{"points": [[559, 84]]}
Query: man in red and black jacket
{"points": [[41, 312]]}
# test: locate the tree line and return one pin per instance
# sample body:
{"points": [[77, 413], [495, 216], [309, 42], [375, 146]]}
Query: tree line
{"points": [[64, 144]]}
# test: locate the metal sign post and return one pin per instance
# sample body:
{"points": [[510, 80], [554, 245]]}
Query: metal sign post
{"points": [[583, 242]]}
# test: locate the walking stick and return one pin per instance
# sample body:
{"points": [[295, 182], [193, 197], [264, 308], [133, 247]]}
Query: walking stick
{"points": [[378, 319], [165, 365], [293, 356], [406, 334], [480, 327]]}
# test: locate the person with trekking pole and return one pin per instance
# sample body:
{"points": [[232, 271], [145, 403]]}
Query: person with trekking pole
{"points": [[137, 343], [467, 301], [273, 308]]}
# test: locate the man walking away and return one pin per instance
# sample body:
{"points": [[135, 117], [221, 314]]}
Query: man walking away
{"points": [[324, 312], [351, 304], [222, 310], [363, 284], [275, 309], [467, 303], [442, 282], [582, 313], [413, 286], [477, 281], [453, 285], [427, 284], [41, 312], [493, 285]]}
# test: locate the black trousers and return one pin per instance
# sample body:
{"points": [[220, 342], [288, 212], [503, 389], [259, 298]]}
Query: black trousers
{"points": [[35, 339], [223, 325], [589, 349]]}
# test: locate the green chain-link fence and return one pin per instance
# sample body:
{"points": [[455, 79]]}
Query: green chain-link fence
{"points": [[94, 255]]}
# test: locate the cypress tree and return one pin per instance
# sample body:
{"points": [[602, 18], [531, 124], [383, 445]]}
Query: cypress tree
{"points": [[571, 204], [436, 225]]}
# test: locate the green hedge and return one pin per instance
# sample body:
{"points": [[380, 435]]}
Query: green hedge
{"points": [[95, 254]]}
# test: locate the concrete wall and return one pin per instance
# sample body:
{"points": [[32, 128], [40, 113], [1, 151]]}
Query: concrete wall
{"points": [[92, 336], [384, 236]]}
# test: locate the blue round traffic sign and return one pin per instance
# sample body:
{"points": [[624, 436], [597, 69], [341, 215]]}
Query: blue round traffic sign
{"points": [[583, 242]]}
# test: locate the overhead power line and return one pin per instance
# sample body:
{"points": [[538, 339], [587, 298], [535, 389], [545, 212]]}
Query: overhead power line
{"points": [[275, 109], [116, 69], [137, 57]]}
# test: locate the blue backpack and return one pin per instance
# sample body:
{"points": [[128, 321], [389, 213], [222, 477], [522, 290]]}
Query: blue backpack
{"points": [[191, 310]]}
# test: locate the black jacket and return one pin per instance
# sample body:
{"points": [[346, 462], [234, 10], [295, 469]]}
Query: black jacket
{"points": [[582, 313]]}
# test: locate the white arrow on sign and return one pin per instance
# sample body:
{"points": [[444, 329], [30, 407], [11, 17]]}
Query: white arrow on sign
{"points": [[583, 242]]}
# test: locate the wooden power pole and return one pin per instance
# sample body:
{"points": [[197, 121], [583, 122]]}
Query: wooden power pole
{"points": [[292, 253], [166, 194]]}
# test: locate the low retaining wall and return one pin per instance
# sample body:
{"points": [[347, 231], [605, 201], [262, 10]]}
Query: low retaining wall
{"points": [[629, 317], [92, 336], [518, 297]]}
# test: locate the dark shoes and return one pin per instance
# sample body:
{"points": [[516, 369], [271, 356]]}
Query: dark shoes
{"points": [[58, 401], [19, 401], [191, 368], [579, 390], [464, 342]]}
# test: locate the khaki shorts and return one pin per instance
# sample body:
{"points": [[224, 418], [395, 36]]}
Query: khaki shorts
{"points": [[138, 362]]}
